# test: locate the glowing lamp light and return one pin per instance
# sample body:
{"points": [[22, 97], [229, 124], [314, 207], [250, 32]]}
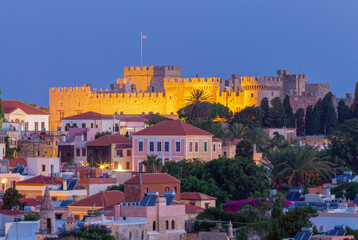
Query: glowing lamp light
{"points": [[3, 180], [102, 166], [119, 169]]}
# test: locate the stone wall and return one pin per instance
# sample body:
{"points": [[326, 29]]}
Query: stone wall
{"points": [[36, 148]]}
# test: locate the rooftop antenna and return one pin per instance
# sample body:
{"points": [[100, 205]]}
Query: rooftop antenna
{"points": [[141, 47], [299, 67]]}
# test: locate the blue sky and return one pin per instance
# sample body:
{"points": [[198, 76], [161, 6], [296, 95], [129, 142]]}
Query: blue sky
{"points": [[71, 42]]}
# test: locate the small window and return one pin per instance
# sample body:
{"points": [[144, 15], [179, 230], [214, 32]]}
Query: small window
{"points": [[252, 95], [167, 189], [129, 153], [151, 146], [272, 94], [127, 165], [190, 146], [196, 147], [214, 147], [167, 224], [173, 224], [145, 190], [206, 205], [159, 146], [177, 146], [83, 125], [77, 217], [83, 152], [166, 146], [91, 125], [142, 235], [154, 226], [219, 145], [140, 146], [175, 189], [205, 146], [78, 152], [140, 167], [43, 167], [120, 153], [130, 236]]}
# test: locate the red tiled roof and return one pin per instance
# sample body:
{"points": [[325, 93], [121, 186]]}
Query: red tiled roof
{"points": [[216, 140], [195, 196], [15, 161], [40, 179], [172, 128], [10, 105], [189, 208], [89, 115], [104, 199], [107, 140], [352, 204], [31, 201], [10, 212], [1, 142], [152, 178]]}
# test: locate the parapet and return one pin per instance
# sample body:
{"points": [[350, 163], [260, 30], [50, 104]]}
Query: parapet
{"points": [[86, 87], [283, 72], [178, 82], [150, 70]]}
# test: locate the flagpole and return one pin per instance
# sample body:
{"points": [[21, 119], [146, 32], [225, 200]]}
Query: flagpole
{"points": [[141, 48]]}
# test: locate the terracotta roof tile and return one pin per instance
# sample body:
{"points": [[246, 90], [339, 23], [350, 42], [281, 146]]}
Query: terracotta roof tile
{"points": [[195, 196], [216, 140], [108, 140], [172, 128], [104, 199], [11, 105], [17, 161], [1, 142], [152, 178], [40, 179], [189, 208], [31, 201], [10, 212], [89, 115]]}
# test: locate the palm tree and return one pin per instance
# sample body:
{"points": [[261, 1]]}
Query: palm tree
{"points": [[198, 106], [304, 164], [258, 137], [237, 130], [272, 162], [153, 164]]}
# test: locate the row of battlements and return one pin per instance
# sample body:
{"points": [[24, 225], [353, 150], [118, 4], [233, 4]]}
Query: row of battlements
{"points": [[259, 81], [151, 68], [193, 80], [86, 87], [128, 95]]}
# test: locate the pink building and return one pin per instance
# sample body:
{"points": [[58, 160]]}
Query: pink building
{"points": [[173, 141]]}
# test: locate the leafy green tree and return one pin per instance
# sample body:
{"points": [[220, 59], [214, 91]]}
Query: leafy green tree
{"points": [[119, 187], [2, 114], [245, 149], [209, 126], [343, 146], [153, 164], [221, 112], [273, 161], [309, 120], [276, 115], [237, 130], [343, 112], [299, 122], [354, 106], [198, 106], [156, 119], [93, 232], [11, 199], [258, 137], [290, 123], [350, 188], [264, 104], [184, 168], [303, 164], [287, 225], [31, 217], [101, 134], [250, 117]]}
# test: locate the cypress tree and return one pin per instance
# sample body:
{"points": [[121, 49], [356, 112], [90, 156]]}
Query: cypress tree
{"points": [[328, 115], [299, 122], [276, 115], [354, 106], [2, 114], [343, 112], [289, 114], [308, 120], [316, 121], [264, 104]]}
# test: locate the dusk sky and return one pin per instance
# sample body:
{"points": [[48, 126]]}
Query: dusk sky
{"points": [[71, 42]]}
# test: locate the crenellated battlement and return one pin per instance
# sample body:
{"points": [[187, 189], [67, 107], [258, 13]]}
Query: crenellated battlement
{"points": [[259, 81], [179, 81], [147, 95], [85, 88]]}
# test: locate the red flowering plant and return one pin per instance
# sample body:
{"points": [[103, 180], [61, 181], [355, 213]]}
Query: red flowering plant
{"points": [[237, 206]]}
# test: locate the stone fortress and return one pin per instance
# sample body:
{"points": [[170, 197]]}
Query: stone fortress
{"points": [[162, 90]]}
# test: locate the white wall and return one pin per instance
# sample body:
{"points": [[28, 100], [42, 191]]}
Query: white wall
{"points": [[34, 166], [103, 125], [2, 150], [31, 119], [96, 188]]}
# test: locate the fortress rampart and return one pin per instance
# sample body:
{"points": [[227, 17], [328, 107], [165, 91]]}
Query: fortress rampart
{"points": [[161, 89]]}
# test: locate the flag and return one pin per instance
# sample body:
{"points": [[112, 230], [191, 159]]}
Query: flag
{"points": [[144, 36]]}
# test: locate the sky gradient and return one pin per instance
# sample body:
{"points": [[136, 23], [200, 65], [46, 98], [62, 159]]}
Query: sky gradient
{"points": [[71, 42]]}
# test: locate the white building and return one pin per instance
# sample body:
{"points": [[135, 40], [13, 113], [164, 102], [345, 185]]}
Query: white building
{"points": [[43, 166], [2, 150], [104, 123], [31, 118]]}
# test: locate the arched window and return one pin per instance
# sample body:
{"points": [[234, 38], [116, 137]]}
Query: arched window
{"points": [[142, 235], [173, 224], [130, 236], [154, 226], [167, 223]]}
